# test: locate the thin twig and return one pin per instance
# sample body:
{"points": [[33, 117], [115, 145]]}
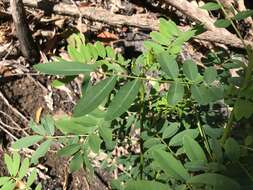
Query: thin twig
{"points": [[2, 127], [12, 108], [17, 126]]}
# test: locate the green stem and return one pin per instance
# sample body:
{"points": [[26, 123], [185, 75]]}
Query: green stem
{"points": [[247, 148], [147, 79], [142, 115], [203, 135], [168, 147], [248, 49], [66, 136], [247, 77], [227, 128]]}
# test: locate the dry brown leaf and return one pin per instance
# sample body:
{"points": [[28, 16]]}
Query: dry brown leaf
{"points": [[107, 35], [38, 114]]}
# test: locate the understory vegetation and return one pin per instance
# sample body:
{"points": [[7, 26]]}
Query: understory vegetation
{"points": [[164, 121]]}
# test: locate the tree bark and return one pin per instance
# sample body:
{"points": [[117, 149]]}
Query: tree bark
{"points": [[28, 47]]}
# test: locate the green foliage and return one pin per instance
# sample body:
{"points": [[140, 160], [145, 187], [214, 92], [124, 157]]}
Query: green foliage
{"points": [[65, 68], [244, 14], [222, 23], [170, 165], [94, 96], [143, 185], [193, 150], [216, 181], [211, 6], [168, 64], [123, 100], [18, 171], [173, 135]]}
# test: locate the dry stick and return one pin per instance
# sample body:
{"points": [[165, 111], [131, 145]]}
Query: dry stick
{"points": [[28, 47], [18, 128], [3, 127], [194, 12], [142, 21], [12, 108]]}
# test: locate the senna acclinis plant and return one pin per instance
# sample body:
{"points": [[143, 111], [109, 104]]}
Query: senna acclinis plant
{"points": [[163, 109]]}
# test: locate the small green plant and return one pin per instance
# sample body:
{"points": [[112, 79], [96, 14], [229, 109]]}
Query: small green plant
{"points": [[160, 109], [21, 176]]}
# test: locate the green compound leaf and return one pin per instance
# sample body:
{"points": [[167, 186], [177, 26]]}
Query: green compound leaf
{"points": [[222, 23], [216, 149], [144, 185], [23, 168], [175, 93], [65, 68], [243, 14], [100, 49], [76, 162], [123, 99], [168, 28], [10, 185], [4, 180], [159, 37], [177, 140], [78, 125], [190, 70], [170, 130], [86, 53], [74, 54], [168, 64], [27, 141], [48, 124], [216, 181], [69, 150], [210, 75], [94, 142], [205, 95], [9, 163], [211, 6], [232, 149], [243, 109], [106, 133], [38, 187], [193, 150], [31, 178], [94, 96], [41, 151], [150, 45], [16, 163], [37, 128], [170, 165]]}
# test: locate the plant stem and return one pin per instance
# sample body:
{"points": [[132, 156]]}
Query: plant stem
{"points": [[248, 49], [141, 130], [247, 77], [203, 135], [67, 136], [146, 78], [227, 128], [166, 145]]}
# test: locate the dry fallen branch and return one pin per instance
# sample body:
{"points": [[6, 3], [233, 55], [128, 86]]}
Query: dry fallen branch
{"points": [[140, 21], [28, 47], [193, 12]]}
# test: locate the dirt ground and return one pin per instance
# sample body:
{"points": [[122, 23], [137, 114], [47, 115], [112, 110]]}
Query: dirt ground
{"points": [[23, 96]]}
